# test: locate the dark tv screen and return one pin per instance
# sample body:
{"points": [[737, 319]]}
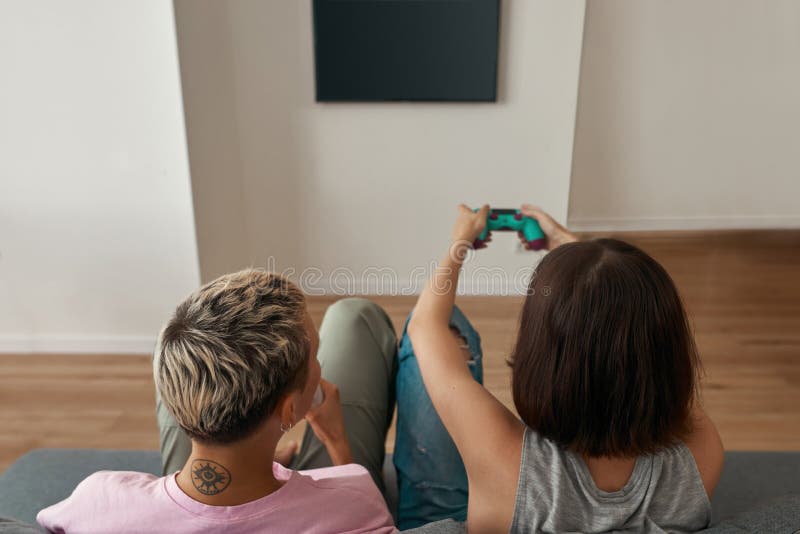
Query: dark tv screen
{"points": [[440, 50]]}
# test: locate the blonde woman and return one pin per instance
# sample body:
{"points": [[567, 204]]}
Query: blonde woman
{"points": [[237, 365]]}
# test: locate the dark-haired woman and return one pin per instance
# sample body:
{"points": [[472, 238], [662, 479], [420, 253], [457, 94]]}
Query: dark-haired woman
{"points": [[604, 377]]}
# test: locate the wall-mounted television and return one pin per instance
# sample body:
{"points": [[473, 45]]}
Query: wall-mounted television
{"points": [[429, 50]]}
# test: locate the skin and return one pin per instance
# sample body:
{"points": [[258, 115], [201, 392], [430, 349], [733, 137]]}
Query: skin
{"points": [[248, 462], [493, 476]]}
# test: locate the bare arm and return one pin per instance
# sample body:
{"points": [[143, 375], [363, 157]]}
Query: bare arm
{"points": [[327, 422], [707, 449], [487, 434]]}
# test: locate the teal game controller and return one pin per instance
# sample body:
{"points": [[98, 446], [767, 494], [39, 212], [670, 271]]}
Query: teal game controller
{"points": [[505, 220]]}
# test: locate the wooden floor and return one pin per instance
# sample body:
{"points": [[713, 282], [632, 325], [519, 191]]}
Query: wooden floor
{"points": [[742, 290]]}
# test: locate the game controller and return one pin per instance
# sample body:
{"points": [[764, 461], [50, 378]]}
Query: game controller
{"points": [[508, 220]]}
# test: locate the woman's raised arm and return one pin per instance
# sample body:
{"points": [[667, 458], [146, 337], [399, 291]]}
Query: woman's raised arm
{"points": [[487, 434]]}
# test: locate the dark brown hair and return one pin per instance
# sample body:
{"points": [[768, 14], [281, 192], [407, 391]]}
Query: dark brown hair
{"points": [[605, 363]]}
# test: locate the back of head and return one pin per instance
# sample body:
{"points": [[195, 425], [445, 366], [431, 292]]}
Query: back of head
{"points": [[229, 352], [605, 362]]}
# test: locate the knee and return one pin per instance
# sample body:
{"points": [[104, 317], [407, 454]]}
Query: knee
{"points": [[352, 312], [354, 306]]}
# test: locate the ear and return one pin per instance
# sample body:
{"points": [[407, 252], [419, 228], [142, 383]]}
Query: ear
{"points": [[286, 411]]}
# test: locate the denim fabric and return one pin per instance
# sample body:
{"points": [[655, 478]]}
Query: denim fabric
{"points": [[431, 477]]}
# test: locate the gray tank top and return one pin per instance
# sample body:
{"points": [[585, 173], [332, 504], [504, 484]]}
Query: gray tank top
{"points": [[556, 493]]}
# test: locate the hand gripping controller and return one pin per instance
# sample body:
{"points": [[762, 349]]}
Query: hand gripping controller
{"points": [[506, 220]]}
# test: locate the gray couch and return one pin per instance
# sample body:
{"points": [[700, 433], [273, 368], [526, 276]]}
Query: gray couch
{"points": [[759, 491]]}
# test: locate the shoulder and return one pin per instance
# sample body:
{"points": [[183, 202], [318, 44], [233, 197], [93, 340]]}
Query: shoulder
{"points": [[681, 489], [537, 450], [681, 470], [707, 451], [517, 471], [337, 472], [545, 467], [100, 492], [349, 497], [103, 482], [344, 479], [109, 489]]}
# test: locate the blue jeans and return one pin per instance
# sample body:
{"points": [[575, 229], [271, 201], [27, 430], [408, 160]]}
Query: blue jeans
{"points": [[430, 474]]}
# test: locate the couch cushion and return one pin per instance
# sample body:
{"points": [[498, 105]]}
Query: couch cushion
{"points": [[445, 526], [44, 477], [750, 478], [776, 516], [12, 526]]}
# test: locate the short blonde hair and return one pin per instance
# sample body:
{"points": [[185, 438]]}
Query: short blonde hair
{"points": [[229, 352]]}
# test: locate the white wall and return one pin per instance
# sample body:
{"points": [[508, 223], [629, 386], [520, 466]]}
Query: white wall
{"points": [[359, 185], [96, 228], [688, 116]]}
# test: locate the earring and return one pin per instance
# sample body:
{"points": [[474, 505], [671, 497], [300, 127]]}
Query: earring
{"points": [[286, 428]]}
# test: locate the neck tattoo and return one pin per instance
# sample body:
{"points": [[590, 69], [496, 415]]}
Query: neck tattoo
{"points": [[209, 478]]}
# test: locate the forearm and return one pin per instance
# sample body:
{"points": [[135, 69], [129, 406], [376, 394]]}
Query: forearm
{"points": [[440, 359], [435, 304], [327, 422], [339, 452]]}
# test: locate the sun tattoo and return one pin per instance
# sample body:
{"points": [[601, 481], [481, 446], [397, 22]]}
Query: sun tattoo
{"points": [[209, 477]]}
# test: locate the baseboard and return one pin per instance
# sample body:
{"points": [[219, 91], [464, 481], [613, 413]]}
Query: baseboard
{"points": [[497, 286], [65, 344], [632, 224]]}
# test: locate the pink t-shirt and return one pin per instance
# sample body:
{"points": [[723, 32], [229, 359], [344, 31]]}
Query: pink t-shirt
{"points": [[331, 500]]}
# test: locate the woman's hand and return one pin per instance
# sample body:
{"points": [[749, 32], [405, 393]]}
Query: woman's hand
{"points": [[470, 224], [327, 422], [555, 233]]}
